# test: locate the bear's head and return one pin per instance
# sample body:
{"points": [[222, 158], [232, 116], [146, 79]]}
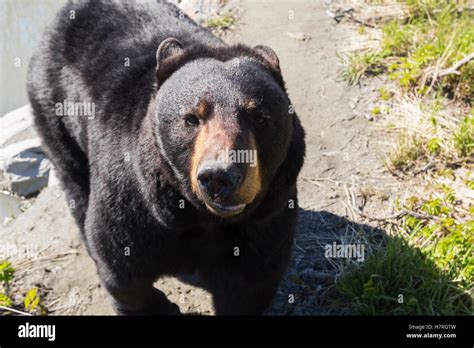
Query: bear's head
{"points": [[223, 123]]}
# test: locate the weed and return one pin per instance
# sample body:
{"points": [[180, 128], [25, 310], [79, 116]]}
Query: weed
{"points": [[465, 87], [221, 22], [397, 39], [409, 149], [6, 273], [464, 136], [432, 136], [375, 111], [384, 94], [433, 145], [31, 303], [360, 64]]}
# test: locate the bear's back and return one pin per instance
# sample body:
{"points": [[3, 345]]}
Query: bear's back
{"points": [[105, 40], [103, 52]]}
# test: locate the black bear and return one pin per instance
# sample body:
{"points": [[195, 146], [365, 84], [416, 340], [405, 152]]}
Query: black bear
{"points": [[178, 153]]}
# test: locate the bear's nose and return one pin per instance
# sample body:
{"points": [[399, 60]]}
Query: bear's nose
{"points": [[218, 180]]}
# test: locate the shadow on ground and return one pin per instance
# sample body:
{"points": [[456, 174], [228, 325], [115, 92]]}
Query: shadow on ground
{"points": [[393, 279]]}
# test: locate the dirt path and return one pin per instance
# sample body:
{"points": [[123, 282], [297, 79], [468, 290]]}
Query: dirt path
{"points": [[343, 156]]}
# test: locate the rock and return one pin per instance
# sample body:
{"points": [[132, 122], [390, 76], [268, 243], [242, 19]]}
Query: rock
{"points": [[27, 171], [9, 207], [23, 164]]}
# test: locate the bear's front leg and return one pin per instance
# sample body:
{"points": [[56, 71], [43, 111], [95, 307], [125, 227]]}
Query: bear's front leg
{"points": [[244, 272], [140, 299], [127, 277], [231, 297], [246, 284], [132, 293]]}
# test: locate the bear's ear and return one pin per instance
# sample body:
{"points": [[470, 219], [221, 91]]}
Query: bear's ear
{"points": [[269, 55], [168, 48]]}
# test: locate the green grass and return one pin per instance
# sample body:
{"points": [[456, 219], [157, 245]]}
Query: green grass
{"points": [[434, 36], [445, 144], [400, 280], [424, 267]]}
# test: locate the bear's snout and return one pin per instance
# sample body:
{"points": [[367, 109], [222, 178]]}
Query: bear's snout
{"points": [[225, 173], [219, 180]]}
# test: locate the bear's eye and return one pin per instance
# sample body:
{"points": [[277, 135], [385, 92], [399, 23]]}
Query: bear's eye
{"points": [[191, 120], [260, 120]]}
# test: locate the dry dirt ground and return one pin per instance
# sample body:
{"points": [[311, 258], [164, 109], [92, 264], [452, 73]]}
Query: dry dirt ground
{"points": [[343, 167]]}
